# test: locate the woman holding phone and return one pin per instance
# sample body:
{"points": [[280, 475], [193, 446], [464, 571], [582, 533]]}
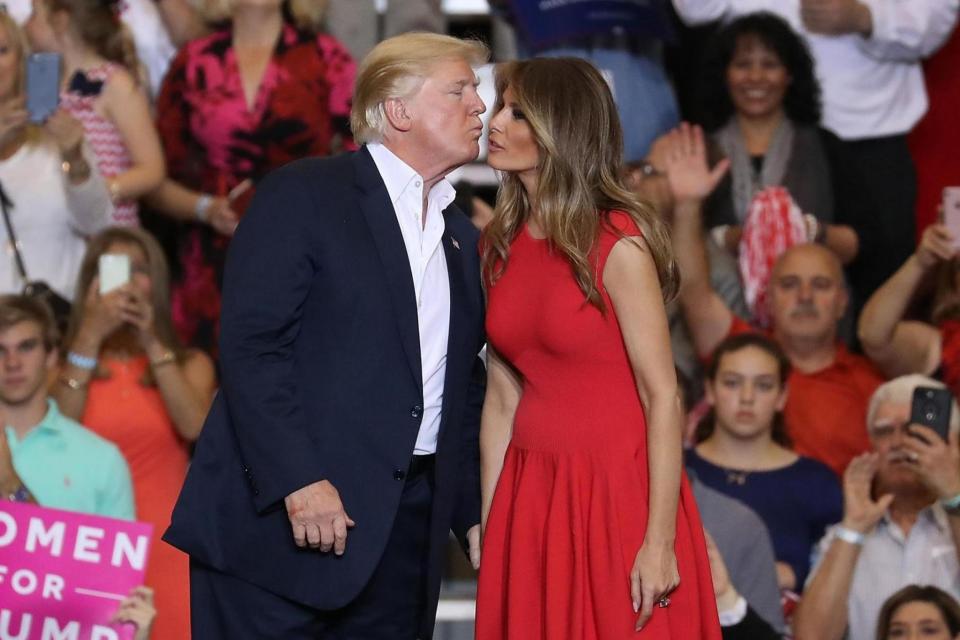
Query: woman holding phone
{"points": [[127, 378], [927, 345], [50, 223]]}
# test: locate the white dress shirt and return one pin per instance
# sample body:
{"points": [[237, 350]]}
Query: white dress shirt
{"points": [[431, 283], [872, 87], [890, 561], [50, 217]]}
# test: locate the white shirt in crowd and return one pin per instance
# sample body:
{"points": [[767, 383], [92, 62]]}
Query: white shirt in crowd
{"points": [[890, 561], [154, 47], [431, 283], [51, 217], [872, 87]]}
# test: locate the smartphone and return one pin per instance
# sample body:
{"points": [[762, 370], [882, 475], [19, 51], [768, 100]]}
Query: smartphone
{"points": [[43, 86], [114, 271], [951, 212], [931, 408]]}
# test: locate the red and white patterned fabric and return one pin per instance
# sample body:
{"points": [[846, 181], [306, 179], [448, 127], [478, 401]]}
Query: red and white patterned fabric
{"points": [[774, 223], [102, 135]]}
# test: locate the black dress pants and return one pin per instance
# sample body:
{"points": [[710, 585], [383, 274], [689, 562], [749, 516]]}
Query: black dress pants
{"points": [[876, 185], [389, 607]]}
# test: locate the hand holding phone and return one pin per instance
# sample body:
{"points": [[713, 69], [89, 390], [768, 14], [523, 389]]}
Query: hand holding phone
{"points": [[43, 85], [930, 407], [114, 271]]}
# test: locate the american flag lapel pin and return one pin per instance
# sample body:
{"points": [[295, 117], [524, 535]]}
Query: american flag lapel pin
{"points": [[456, 245]]}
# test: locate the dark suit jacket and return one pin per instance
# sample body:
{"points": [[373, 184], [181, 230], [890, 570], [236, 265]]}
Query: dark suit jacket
{"points": [[321, 379]]}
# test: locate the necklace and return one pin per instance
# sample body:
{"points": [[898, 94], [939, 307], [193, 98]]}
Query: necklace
{"points": [[737, 477]]}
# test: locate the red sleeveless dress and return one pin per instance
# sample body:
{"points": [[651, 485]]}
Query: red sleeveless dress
{"points": [[570, 509]]}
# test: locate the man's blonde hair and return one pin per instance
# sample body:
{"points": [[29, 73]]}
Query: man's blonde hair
{"points": [[396, 68], [308, 14]]}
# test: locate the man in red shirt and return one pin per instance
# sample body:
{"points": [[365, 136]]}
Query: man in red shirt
{"points": [[829, 387]]}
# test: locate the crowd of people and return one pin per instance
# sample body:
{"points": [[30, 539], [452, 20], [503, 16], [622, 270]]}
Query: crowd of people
{"points": [[808, 306]]}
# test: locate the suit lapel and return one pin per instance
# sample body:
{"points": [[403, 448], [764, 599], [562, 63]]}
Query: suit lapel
{"points": [[382, 220]]}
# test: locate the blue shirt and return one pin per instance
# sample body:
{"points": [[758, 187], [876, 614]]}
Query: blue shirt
{"points": [[66, 466], [796, 502]]}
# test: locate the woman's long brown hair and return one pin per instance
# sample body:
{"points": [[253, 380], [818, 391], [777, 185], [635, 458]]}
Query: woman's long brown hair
{"points": [[571, 111]]}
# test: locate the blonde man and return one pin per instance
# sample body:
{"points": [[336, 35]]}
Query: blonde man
{"points": [[342, 447]]}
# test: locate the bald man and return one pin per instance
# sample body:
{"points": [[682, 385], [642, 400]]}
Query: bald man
{"points": [[828, 387]]}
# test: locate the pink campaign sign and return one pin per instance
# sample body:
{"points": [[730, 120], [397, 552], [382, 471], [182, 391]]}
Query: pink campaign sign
{"points": [[63, 574]]}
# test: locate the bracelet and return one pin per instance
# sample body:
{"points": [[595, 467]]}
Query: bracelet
{"points": [[81, 361], [72, 383], [202, 208], [849, 535], [167, 358], [951, 505]]}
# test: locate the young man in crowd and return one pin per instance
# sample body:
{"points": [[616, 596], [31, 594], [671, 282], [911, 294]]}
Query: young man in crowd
{"points": [[829, 387], [45, 457], [901, 521]]}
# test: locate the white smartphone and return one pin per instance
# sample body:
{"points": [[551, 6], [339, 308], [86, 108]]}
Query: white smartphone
{"points": [[114, 271]]}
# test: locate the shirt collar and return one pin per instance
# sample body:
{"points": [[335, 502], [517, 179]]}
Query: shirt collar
{"points": [[933, 514], [399, 177], [51, 422]]}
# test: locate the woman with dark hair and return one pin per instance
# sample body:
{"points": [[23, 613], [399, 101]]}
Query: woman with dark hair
{"points": [[919, 612], [590, 530], [265, 88], [743, 451], [127, 378], [760, 101]]}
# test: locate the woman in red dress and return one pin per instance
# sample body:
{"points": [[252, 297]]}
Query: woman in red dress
{"points": [[590, 530]]}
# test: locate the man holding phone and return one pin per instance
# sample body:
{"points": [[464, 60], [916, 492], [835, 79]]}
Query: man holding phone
{"points": [[901, 522]]}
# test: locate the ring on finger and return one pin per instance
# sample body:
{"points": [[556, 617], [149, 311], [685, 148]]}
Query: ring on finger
{"points": [[663, 603]]}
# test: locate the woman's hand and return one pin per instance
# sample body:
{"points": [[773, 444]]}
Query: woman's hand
{"points": [[138, 609], [936, 245], [222, 217], [105, 313], [13, 118], [653, 578], [66, 131], [137, 310]]}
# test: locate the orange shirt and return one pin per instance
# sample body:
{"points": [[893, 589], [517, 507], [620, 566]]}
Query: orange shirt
{"points": [[826, 412]]}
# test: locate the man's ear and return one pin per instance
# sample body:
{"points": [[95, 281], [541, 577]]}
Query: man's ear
{"points": [[397, 114]]}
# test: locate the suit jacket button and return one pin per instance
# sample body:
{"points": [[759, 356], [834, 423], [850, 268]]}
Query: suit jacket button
{"points": [[399, 474], [416, 411]]}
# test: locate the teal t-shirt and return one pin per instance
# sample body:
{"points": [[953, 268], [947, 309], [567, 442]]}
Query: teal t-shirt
{"points": [[66, 466]]}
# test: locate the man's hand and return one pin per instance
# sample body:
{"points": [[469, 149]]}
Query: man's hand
{"points": [[937, 463], [689, 176], [836, 17], [860, 511], [473, 542], [317, 517]]}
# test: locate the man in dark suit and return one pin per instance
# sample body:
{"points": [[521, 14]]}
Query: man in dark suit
{"points": [[342, 447]]}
